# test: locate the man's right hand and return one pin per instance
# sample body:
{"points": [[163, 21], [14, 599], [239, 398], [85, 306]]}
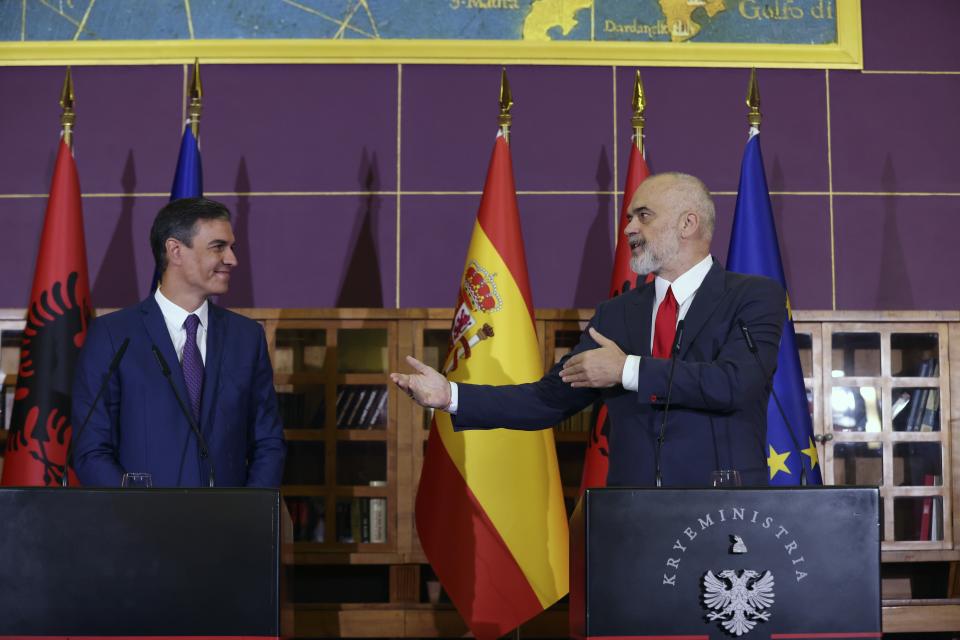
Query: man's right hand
{"points": [[426, 386]]}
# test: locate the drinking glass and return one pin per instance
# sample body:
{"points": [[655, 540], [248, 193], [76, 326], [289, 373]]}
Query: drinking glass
{"points": [[726, 478], [136, 480]]}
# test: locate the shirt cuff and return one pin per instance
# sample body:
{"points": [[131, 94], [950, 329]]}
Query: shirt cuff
{"points": [[454, 396], [630, 378]]}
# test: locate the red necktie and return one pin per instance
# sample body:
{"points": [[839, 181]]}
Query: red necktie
{"points": [[666, 326]]}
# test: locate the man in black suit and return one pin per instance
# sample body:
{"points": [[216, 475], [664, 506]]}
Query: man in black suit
{"points": [[718, 405]]}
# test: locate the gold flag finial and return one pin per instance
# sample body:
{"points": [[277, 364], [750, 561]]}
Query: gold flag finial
{"points": [[69, 117], [639, 106], [753, 101], [196, 99], [506, 104]]}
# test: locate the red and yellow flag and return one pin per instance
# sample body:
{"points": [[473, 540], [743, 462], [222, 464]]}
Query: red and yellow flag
{"points": [[597, 461], [57, 321], [489, 510]]}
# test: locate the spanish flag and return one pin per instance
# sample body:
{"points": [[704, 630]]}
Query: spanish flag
{"points": [[489, 510]]}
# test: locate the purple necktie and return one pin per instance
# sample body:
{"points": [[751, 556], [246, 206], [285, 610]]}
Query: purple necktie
{"points": [[193, 364]]}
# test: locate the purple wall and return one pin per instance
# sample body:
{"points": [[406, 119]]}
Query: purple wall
{"points": [[309, 158]]}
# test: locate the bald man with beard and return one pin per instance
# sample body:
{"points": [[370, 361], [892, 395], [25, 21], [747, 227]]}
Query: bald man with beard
{"points": [[718, 402]]}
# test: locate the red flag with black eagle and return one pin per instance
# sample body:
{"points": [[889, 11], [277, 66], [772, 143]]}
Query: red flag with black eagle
{"points": [[57, 319], [596, 463]]}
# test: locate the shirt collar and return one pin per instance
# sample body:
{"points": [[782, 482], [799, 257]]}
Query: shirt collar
{"points": [[176, 315], [687, 284]]}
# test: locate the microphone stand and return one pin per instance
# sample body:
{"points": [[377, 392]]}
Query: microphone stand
{"points": [[752, 346], [674, 350], [201, 441], [114, 364]]}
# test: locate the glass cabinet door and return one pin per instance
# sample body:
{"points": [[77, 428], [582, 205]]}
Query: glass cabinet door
{"points": [[882, 424]]}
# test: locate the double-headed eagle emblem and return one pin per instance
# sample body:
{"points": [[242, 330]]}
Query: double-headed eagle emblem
{"points": [[738, 600]]}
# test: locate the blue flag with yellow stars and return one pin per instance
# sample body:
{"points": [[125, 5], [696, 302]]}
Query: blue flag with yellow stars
{"points": [[754, 249], [187, 179]]}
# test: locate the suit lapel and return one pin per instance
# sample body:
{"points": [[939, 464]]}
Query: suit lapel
{"points": [[639, 312], [216, 332], [707, 298], [156, 328]]}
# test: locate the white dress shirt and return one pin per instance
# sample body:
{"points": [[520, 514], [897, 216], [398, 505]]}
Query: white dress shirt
{"points": [[174, 316], [684, 289]]}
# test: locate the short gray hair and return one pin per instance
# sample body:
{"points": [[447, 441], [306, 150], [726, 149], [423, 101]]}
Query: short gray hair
{"points": [[689, 193]]}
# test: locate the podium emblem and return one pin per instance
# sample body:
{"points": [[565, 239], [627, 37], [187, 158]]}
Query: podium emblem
{"points": [[738, 600]]}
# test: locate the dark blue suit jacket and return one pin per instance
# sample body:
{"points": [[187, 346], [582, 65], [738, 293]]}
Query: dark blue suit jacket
{"points": [[718, 411], [137, 426]]}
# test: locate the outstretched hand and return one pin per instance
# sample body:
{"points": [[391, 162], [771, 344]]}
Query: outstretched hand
{"points": [[598, 368], [425, 385]]}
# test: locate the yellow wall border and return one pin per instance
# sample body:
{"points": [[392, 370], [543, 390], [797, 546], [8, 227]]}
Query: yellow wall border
{"points": [[847, 53]]}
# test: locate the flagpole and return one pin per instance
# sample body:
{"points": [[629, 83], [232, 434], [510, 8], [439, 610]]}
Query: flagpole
{"points": [[753, 103], [504, 120], [196, 100], [69, 117], [638, 121]]}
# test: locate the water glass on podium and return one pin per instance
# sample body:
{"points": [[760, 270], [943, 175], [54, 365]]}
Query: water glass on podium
{"points": [[136, 481]]}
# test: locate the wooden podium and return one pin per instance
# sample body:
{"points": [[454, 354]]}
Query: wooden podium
{"points": [[140, 562], [764, 563]]}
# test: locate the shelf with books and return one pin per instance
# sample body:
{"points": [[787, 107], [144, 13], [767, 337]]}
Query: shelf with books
{"points": [[886, 382], [331, 377]]}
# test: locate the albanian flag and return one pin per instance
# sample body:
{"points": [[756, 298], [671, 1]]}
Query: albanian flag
{"points": [[623, 279], [57, 320]]}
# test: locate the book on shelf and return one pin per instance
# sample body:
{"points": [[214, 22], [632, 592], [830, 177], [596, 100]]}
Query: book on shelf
{"points": [[378, 514], [936, 517], [918, 397], [929, 512], [344, 523], [341, 404], [360, 520], [352, 420], [366, 416], [350, 399], [378, 520], [930, 413], [380, 415]]}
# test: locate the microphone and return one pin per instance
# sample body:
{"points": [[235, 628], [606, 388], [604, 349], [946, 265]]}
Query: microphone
{"points": [[201, 441], [674, 350], [114, 364], [752, 346]]}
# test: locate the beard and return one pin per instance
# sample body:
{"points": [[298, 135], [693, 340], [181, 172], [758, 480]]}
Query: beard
{"points": [[655, 255]]}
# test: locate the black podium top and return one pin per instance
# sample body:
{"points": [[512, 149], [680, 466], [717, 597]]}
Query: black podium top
{"points": [[128, 562]]}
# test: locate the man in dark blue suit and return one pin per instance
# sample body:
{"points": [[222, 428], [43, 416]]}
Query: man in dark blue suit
{"points": [[718, 411], [218, 362]]}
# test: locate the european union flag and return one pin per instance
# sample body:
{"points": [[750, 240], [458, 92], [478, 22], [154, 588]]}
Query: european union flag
{"points": [[187, 180], [754, 249]]}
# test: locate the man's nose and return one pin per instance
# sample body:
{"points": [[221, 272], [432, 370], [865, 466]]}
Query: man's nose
{"points": [[229, 257]]}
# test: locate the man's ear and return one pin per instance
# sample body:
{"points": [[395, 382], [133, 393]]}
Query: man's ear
{"points": [[690, 224], [174, 248]]}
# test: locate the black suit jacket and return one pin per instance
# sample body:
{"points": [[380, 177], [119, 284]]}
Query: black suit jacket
{"points": [[718, 412]]}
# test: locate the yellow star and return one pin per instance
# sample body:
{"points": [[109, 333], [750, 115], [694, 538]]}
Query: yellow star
{"points": [[778, 462], [811, 453]]}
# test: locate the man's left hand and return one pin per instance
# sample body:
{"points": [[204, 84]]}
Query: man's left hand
{"points": [[597, 368]]}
